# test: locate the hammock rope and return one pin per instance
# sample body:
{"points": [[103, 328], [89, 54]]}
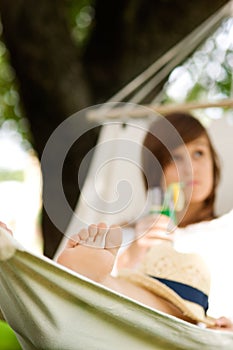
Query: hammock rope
{"points": [[143, 111], [178, 53], [148, 80]]}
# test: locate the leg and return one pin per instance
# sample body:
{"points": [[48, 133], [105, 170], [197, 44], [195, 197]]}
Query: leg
{"points": [[84, 255]]}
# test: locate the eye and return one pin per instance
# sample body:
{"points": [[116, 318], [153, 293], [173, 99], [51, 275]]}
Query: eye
{"points": [[199, 153]]}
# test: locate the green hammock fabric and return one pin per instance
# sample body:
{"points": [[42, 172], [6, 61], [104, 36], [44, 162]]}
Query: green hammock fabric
{"points": [[50, 307]]}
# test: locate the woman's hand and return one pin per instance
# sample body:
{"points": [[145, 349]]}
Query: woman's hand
{"points": [[4, 226], [223, 324], [154, 228], [149, 231]]}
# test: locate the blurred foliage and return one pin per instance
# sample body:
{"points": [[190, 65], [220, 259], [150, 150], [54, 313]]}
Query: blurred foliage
{"points": [[10, 108], [80, 16], [8, 340], [81, 19], [207, 74], [7, 175]]}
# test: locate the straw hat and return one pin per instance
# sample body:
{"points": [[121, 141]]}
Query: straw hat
{"points": [[182, 279]]}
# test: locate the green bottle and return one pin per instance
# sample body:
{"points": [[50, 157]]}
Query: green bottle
{"points": [[166, 202]]}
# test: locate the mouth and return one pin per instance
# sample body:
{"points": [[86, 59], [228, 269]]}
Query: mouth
{"points": [[192, 183]]}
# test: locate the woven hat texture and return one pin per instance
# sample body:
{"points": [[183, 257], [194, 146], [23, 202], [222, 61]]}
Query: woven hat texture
{"points": [[162, 261]]}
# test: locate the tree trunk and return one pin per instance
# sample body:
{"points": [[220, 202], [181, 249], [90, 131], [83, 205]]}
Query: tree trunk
{"points": [[52, 85]]}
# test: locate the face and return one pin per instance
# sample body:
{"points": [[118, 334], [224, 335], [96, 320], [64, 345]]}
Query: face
{"points": [[192, 165]]}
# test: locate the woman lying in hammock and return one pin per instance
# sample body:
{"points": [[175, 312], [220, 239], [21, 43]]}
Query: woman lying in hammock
{"points": [[177, 150]]}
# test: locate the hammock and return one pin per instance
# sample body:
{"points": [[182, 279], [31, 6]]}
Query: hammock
{"points": [[50, 307]]}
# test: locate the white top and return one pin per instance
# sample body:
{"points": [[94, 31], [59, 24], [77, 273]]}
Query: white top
{"points": [[213, 240]]}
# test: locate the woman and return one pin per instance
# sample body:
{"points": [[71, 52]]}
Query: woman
{"points": [[176, 148], [184, 153]]}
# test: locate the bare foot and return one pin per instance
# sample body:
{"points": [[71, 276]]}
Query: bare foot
{"points": [[92, 252]]}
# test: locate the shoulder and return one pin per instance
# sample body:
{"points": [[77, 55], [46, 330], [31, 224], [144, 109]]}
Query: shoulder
{"points": [[208, 229]]}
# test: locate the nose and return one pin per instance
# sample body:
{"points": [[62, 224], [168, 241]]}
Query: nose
{"points": [[188, 166]]}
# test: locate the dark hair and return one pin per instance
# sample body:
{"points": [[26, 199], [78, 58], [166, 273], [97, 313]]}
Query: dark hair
{"points": [[162, 138]]}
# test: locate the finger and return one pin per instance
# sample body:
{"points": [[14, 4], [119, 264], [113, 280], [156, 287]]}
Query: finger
{"points": [[223, 322], [4, 226]]}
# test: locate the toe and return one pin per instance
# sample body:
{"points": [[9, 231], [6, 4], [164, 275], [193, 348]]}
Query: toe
{"points": [[113, 239], [100, 235], [73, 241], [92, 230], [84, 235]]}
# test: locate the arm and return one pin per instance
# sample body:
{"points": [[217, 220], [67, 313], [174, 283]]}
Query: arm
{"points": [[149, 230]]}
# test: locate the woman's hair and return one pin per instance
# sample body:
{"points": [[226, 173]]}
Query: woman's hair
{"points": [[162, 138]]}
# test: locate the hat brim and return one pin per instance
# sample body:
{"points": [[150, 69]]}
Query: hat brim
{"points": [[188, 308]]}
